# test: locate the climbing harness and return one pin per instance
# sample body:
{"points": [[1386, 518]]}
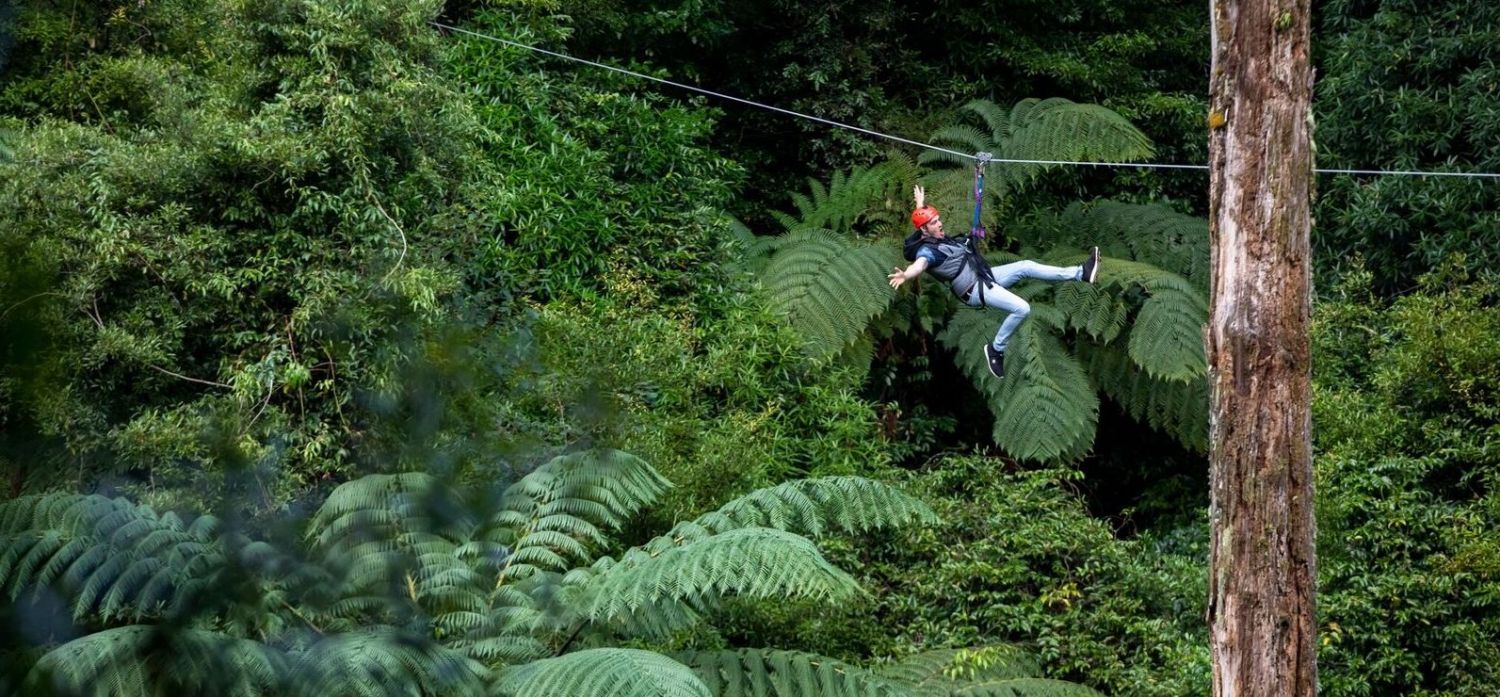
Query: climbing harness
{"points": [[977, 231], [963, 253], [980, 159]]}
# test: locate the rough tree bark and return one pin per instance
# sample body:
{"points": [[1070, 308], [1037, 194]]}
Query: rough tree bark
{"points": [[1261, 557]]}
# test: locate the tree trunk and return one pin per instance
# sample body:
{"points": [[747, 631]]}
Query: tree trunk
{"points": [[1261, 555]]}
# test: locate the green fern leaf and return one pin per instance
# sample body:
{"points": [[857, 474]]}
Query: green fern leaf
{"points": [[827, 288], [381, 661], [1178, 409], [113, 558], [769, 673], [602, 673], [1089, 309], [553, 515], [752, 562], [863, 195], [1167, 339], [1027, 687], [942, 671], [1044, 407], [1050, 129], [806, 507], [151, 661]]}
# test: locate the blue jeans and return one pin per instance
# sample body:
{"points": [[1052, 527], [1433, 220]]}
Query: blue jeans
{"points": [[1006, 275]]}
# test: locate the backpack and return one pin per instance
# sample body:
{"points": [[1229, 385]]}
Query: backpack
{"points": [[911, 244]]}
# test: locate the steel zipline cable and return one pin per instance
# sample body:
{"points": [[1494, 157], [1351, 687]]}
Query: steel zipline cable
{"points": [[929, 146]]}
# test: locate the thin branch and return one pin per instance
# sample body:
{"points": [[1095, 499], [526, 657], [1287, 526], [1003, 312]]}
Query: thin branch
{"points": [[184, 377], [27, 300], [375, 200], [302, 617]]}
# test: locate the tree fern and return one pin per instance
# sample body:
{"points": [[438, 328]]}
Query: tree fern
{"points": [[414, 590], [1044, 407], [831, 289], [149, 661], [828, 288], [602, 673], [1027, 687], [942, 671], [552, 515], [1179, 409], [382, 661], [807, 507], [989, 671], [751, 562], [810, 507], [1033, 129], [110, 557], [864, 195], [770, 673]]}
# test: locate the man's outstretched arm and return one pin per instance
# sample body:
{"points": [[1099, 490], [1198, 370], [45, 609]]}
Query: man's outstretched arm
{"points": [[898, 276]]}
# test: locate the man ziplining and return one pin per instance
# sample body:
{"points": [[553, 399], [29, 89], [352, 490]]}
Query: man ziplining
{"points": [[957, 262]]}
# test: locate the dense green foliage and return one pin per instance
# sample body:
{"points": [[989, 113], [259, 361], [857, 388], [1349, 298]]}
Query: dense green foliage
{"points": [[1405, 85], [323, 334], [242, 245], [1408, 417], [905, 67], [408, 585]]}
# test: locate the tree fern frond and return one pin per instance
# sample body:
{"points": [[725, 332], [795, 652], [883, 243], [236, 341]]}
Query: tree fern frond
{"points": [[1070, 130], [805, 507], [942, 671], [857, 355], [961, 137], [811, 507], [1044, 407], [1089, 309], [754, 250], [605, 672], [380, 508], [1050, 129], [770, 673], [1027, 687], [861, 195], [1167, 338], [551, 517], [111, 557], [828, 289], [993, 116], [753, 562], [1148, 233], [1178, 409], [381, 661], [150, 661], [505, 650]]}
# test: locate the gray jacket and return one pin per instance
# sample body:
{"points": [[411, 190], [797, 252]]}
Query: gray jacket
{"points": [[957, 270]]}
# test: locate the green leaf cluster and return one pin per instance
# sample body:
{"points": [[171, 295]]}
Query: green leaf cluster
{"points": [[1407, 414]]}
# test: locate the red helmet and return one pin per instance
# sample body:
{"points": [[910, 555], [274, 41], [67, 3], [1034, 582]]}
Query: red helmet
{"points": [[923, 215]]}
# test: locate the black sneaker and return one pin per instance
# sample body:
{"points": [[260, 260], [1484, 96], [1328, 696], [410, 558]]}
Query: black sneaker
{"points": [[997, 360], [1091, 266]]}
